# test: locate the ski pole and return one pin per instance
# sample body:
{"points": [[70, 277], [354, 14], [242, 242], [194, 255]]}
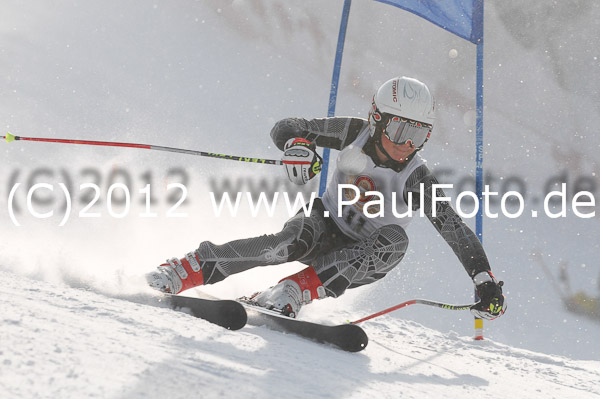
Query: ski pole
{"points": [[9, 137], [415, 301]]}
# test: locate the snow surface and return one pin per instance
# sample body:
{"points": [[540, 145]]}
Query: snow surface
{"points": [[214, 76], [59, 341]]}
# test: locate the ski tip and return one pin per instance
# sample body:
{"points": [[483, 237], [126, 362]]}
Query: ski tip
{"points": [[225, 313], [236, 317], [9, 137], [359, 342], [352, 338]]}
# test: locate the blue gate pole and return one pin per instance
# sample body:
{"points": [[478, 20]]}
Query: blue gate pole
{"points": [[479, 155], [479, 144], [337, 66]]}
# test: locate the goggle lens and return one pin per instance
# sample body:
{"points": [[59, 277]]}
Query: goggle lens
{"points": [[402, 131]]}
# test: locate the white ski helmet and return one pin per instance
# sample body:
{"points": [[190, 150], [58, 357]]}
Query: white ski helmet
{"points": [[403, 109]]}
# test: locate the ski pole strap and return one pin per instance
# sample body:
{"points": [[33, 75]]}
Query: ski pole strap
{"points": [[412, 302], [9, 137]]}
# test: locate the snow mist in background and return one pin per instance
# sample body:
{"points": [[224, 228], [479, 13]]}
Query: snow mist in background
{"points": [[215, 76]]}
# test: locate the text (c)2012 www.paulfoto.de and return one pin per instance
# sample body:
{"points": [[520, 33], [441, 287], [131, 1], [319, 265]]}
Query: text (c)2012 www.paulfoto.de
{"points": [[555, 203]]}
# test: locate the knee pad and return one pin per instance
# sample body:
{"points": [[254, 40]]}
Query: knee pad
{"points": [[364, 262], [391, 234]]}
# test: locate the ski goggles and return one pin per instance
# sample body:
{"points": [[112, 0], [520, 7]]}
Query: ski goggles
{"points": [[401, 130]]}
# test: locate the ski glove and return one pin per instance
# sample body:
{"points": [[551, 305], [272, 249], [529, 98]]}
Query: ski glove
{"points": [[489, 290], [301, 160]]}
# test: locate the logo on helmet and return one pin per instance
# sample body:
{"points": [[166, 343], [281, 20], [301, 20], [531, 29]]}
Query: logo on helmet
{"points": [[395, 91], [413, 94]]}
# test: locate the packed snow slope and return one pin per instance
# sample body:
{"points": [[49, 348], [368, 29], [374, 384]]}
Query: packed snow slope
{"points": [[215, 76], [64, 342]]}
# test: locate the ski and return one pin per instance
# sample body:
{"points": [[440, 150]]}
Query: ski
{"points": [[225, 313], [348, 337]]}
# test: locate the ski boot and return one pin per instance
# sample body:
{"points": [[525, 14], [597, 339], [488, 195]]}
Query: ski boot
{"points": [[176, 275], [288, 296]]}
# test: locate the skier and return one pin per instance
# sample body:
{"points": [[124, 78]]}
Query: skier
{"points": [[350, 248]]}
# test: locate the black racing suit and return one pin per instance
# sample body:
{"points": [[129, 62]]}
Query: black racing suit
{"points": [[340, 262]]}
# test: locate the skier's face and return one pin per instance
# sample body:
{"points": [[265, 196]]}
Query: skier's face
{"points": [[398, 152]]}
